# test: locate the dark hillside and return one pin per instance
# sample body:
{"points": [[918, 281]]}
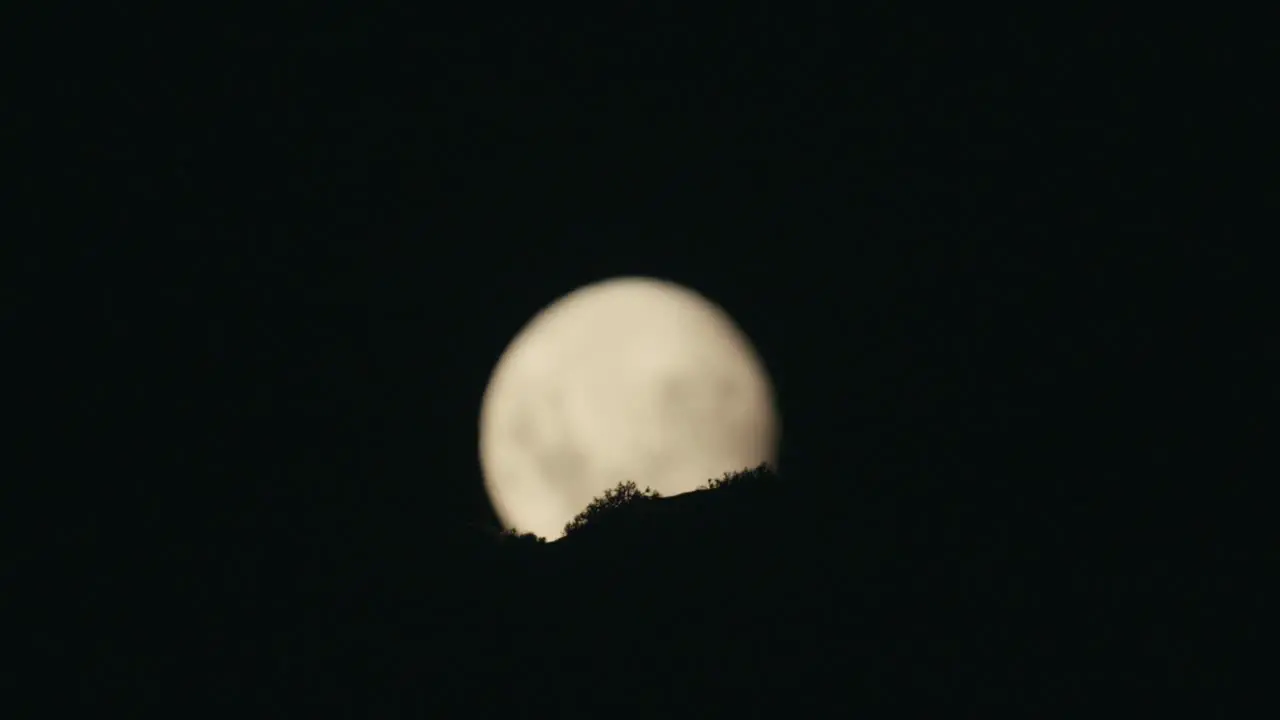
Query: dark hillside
{"points": [[686, 602]]}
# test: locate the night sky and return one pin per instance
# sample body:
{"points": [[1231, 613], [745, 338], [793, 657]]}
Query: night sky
{"points": [[287, 268]]}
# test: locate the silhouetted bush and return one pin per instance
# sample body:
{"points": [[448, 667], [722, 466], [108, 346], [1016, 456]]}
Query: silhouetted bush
{"points": [[513, 536], [747, 477], [613, 500]]}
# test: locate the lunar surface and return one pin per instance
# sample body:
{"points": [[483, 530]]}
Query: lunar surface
{"points": [[627, 379]]}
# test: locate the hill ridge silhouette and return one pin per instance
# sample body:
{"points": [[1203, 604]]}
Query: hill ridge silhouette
{"points": [[778, 597], [693, 575]]}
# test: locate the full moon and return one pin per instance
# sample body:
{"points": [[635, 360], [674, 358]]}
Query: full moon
{"points": [[627, 379]]}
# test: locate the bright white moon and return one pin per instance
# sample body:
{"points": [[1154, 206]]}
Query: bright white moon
{"points": [[626, 379]]}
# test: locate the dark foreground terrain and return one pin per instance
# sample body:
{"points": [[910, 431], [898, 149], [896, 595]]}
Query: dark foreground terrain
{"points": [[768, 596]]}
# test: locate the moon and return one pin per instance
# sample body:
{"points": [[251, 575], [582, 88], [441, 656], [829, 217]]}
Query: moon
{"points": [[630, 378]]}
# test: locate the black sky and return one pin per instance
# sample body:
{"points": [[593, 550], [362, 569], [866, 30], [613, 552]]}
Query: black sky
{"points": [[286, 267]]}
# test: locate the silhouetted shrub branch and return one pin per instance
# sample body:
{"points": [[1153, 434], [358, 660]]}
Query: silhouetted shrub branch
{"points": [[614, 499], [514, 536], [747, 477]]}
